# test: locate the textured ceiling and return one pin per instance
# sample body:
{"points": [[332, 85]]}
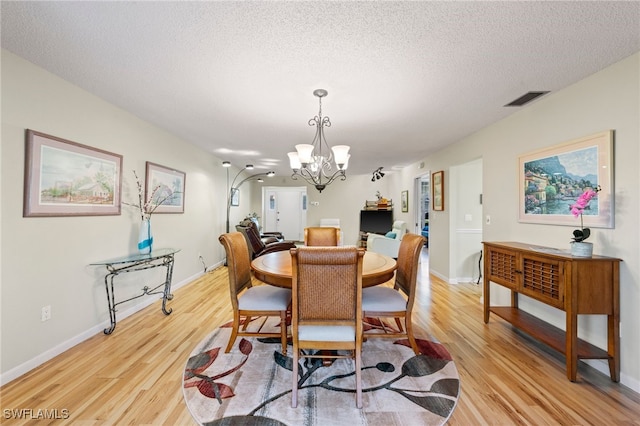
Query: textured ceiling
{"points": [[404, 78]]}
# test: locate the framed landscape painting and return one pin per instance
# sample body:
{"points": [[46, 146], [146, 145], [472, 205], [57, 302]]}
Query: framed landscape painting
{"points": [[404, 201], [64, 178], [552, 179], [235, 197], [165, 187], [437, 191]]}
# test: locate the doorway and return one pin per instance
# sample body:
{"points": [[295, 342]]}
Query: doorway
{"points": [[285, 210], [423, 194]]}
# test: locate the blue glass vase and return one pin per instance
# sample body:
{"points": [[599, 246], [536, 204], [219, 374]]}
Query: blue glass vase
{"points": [[145, 238]]}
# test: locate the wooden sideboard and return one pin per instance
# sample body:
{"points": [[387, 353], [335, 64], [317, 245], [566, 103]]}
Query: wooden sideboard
{"points": [[575, 285]]}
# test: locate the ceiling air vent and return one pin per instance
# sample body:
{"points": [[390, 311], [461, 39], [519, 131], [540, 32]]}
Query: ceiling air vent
{"points": [[525, 99]]}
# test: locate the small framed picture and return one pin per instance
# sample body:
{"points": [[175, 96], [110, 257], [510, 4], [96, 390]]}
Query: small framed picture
{"points": [[437, 190], [235, 197], [404, 201], [64, 178], [165, 187]]}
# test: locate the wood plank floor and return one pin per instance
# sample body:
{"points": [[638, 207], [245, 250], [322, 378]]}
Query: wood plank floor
{"points": [[134, 376]]}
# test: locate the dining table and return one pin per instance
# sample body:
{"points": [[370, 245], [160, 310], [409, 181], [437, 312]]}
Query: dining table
{"points": [[275, 268]]}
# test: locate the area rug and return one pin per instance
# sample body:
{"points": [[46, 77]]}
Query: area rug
{"points": [[251, 385]]}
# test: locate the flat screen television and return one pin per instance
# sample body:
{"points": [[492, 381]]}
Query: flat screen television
{"points": [[376, 221]]}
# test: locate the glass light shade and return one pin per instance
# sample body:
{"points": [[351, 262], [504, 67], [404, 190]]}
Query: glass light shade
{"points": [[340, 153], [305, 151], [249, 167], [226, 164], [315, 164], [294, 161], [346, 163]]}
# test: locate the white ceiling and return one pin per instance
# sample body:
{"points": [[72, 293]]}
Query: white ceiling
{"points": [[404, 78]]}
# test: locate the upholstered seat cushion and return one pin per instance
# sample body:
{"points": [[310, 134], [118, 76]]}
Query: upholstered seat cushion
{"points": [[327, 333], [264, 298], [382, 299]]}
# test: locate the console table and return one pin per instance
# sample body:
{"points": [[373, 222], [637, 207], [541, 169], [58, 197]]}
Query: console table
{"points": [[575, 285], [138, 262]]}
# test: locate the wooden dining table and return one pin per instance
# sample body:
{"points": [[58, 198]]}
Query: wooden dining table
{"points": [[275, 268]]}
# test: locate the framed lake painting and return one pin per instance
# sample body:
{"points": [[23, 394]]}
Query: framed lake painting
{"points": [[65, 178], [552, 179]]}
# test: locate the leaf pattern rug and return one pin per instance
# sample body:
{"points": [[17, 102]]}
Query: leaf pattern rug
{"points": [[251, 385]]}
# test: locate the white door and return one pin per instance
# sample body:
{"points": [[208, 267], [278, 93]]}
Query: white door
{"points": [[286, 211]]}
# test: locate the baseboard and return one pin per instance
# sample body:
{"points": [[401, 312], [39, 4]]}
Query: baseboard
{"points": [[603, 367], [441, 276], [216, 265], [49, 354]]}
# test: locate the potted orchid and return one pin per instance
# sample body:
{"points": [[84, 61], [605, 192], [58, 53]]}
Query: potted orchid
{"points": [[578, 246]]}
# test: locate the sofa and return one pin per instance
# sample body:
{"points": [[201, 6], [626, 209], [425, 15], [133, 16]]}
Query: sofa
{"points": [[388, 244]]}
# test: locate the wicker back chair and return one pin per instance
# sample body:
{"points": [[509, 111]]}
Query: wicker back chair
{"points": [[326, 309], [388, 302], [248, 301], [321, 236]]}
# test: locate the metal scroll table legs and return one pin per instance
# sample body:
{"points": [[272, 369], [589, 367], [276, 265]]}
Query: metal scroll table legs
{"points": [[114, 272]]}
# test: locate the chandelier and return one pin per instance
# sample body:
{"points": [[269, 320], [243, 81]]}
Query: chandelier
{"points": [[312, 162]]}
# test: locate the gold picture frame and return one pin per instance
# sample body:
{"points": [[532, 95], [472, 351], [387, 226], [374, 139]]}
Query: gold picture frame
{"points": [[437, 190], [553, 178], [404, 201]]}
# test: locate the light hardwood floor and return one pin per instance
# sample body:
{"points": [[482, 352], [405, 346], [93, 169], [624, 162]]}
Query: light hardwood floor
{"points": [[134, 376]]}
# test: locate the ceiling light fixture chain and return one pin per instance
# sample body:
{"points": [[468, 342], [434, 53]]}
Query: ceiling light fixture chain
{"points": [[308, 161]]}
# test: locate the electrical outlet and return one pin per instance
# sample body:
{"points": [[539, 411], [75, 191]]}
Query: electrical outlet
{"points": [[488, 220], [46, 313]]}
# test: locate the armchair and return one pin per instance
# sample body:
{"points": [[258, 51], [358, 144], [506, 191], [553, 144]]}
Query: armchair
{"points": [[388, 244], [257, 247], [266, 237]]}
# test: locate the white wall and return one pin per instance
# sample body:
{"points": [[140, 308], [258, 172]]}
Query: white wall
{"points": [[44, 260], [466, 214], [609, 99], [341, 199]]}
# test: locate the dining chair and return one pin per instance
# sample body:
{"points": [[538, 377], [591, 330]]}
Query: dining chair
{"points": [[321, 236], [334, 223], [386, 302], [252, 301], [326, 313]]}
